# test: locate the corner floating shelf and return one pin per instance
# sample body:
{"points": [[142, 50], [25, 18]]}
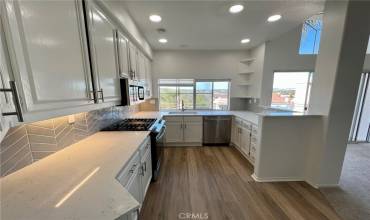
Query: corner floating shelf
{"points": [[244, 84], [246, 73], [247, 61]]}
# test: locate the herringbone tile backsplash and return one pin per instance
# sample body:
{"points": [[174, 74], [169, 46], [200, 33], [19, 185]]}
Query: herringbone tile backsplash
{"points": [[28, 143]]}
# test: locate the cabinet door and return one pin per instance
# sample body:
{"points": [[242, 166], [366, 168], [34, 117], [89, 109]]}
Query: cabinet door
{"points": [[123, 58], [245, 140], [49, 54], [103, 45], [134, 186], [141, 64], [174, 132], [148, 77], [6, 101], [133, 61], [193, 129], [146, 172]]}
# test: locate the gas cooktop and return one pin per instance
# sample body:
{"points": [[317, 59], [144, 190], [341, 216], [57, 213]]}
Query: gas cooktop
{"points": [[131, 124]]}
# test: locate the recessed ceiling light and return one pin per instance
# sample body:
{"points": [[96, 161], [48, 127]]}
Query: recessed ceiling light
{"points": [[163, 40], [274, 18], [155, 18], [236, 9], [246, 40]]}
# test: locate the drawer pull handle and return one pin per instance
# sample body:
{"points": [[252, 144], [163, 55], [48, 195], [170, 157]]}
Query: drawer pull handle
{"points": [[18, 111]]}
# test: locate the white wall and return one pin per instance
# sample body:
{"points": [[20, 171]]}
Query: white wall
{"points": [[281, 54], [202, 64], [258, 53]]}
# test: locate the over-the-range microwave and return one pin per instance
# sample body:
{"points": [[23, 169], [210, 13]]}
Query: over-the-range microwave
{"points": [[131, 92]]}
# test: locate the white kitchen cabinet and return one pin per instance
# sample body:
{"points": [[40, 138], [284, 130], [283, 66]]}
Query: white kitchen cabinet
{"points": [[244, 138], [123, 55], [49, 56], [104, 55], [141, 68], [6, 98], [174, 132], [146, 171], [133, 61], [184, 130], [148, 77], [193, 129]]}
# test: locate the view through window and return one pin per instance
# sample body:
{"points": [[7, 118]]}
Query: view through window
{"points": [[291, 90], [311, 35], [212, 95], [202, 94], [173, 91]]}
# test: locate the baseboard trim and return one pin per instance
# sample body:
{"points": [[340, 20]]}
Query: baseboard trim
{"points": [[276, 179]]}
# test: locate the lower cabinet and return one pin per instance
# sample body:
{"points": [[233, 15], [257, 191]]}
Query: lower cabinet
{"points": [[244, 138], [136, 176], [184, 130]]}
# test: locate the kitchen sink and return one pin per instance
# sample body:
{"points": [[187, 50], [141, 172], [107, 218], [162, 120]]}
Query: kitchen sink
{"points": [[183, 113]]}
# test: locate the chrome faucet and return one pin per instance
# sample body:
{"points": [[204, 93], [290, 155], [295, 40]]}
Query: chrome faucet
{"points": [[182, 105]]}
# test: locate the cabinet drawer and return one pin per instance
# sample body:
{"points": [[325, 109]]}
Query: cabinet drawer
{"points": [[254, 129], [145, 146], [173, 118], [254, 139], [126, 173], [253, 148]]}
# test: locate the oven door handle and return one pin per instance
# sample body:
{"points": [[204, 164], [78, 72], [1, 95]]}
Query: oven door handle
{"points": [[161, 133]]}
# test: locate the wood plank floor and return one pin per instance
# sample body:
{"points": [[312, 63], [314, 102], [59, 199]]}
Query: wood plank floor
{"points": [[215, 183]]}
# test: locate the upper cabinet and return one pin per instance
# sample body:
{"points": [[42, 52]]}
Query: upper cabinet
{"points": [[49, 51], [6, 97], [65, 57], [148, 77], [123, 50], [104, 54], [133, 61]]}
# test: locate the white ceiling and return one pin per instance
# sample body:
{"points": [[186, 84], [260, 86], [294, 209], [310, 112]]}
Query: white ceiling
{"points": [[209, 25]]}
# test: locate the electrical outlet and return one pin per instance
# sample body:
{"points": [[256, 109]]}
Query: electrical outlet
{"points": [[71, 119]]}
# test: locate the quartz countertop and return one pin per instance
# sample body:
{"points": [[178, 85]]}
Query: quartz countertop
{"points": [[78, 182], [246, 115]]}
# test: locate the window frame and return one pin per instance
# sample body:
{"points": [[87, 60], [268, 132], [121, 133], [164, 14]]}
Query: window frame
{"points": [[307, 92], [178, 85], [212, 94]]}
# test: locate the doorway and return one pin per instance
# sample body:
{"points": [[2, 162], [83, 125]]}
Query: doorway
{"points": [[360, 129]]}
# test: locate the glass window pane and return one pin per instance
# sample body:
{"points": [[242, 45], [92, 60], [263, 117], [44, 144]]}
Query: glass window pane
{"points": [[167, 101], [289, 90], [203, 101], [167, 89], [220, 95], [188, 100], [204, 87], [186, 89]]}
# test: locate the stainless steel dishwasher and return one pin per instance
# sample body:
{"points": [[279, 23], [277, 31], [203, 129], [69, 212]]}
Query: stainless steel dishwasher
{"points": [[216, 130]]}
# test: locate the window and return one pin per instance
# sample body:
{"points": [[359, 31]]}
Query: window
{"points": [[311, 35], [291, 90], [202, 94], [173, 91], [212, 95]]}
